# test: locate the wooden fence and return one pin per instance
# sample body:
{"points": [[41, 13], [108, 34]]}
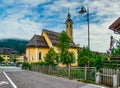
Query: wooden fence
{"points": [[107, 76], [79, 73]]}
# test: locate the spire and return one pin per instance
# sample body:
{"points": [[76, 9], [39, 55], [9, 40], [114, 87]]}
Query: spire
{"points": [[68, 22], [68, 16]]}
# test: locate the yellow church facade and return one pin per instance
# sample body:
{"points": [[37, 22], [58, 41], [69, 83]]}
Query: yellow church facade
{"points": [[39, 45]]}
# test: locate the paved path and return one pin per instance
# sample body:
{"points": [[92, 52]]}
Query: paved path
{"points": [[28, 79]]}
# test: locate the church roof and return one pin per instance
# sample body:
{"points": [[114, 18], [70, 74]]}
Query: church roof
{"points": [[115, 26], [53, 36], [37, 41]]}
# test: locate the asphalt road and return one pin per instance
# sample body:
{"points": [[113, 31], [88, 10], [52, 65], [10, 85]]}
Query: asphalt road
{"points": [[28, 79], [4, 82]]}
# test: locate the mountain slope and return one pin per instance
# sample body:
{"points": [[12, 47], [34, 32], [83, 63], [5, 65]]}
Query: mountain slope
{"points": [[16, 44]]}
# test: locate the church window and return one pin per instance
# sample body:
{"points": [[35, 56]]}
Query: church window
{"points": [[40, 55]]}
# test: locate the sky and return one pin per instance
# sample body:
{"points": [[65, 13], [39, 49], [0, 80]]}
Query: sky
{"points": [[24, 18]]}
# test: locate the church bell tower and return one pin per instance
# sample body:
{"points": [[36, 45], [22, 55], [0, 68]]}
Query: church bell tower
{"points": [[69, 28]]}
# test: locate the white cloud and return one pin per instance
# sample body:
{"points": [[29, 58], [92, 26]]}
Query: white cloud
{"points": [[15, 24], [23, 28]]}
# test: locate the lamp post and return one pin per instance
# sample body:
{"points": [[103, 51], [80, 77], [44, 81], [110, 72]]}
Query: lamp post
{"points": [[84, 10]]}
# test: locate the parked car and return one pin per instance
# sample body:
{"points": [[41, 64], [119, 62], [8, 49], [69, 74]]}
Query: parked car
{"points": [[19, 64]]}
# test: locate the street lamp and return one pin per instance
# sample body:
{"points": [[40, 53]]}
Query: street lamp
{"points": [[84, 10]]}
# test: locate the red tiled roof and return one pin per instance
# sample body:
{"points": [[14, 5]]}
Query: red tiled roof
{"points": [[115, 26]]}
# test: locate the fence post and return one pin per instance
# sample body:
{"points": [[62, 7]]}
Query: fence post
{"points": [[86, 72], [114, 81], [98, 78], [118, 76], [68, 71], [37, 68], [43, 69], [57, 71]]}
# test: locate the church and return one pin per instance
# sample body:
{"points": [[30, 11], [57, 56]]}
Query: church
{"points": [[39, 45]]}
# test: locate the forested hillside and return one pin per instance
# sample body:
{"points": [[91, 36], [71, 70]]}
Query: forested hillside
{"points": [[16, 44]]}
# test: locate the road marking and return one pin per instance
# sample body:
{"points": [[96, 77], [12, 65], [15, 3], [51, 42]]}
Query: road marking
{"points": [[3, 82], [14, 86]]}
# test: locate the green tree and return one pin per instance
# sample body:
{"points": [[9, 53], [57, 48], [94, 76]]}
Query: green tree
{"points": [[64, 41], [83, 57], [116, 50], [52, 58], [66, 57], [1, 59], [99, 63], [94, 58], [82, 61], [71, 58]]}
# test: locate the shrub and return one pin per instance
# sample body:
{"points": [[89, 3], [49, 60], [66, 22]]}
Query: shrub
{"points": [[26, 65], [1, 59]]}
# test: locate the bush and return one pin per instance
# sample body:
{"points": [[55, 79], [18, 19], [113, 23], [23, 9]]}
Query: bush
{"points": [[99, 63], [1, 59], [26, 65]]}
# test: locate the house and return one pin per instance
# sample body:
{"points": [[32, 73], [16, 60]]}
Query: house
{"points": [[7, 53], [39, 45], [115, 26], [10, 54]]}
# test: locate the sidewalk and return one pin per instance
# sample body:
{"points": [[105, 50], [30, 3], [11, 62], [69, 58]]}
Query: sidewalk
{"points": [[92, 86]]}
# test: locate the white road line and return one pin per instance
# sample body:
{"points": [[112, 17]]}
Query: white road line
{"points": [[14, 86], [3, 82]]}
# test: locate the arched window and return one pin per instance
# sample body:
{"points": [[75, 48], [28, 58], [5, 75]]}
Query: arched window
{"points": [[40, 55]]}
